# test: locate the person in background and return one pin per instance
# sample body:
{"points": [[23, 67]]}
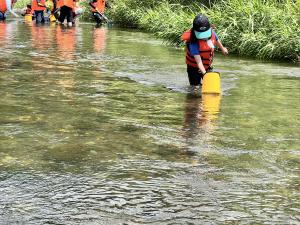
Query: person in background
{"points": [[66, 11], [55, 10], [3, 9], [38, 7], [27, 10], [201, 42], [27, 13], [50, 9], [77, 11], [98, 7], [4, 6], [2, 16]]}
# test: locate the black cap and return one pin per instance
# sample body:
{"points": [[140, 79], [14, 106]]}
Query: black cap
{"points": [[201, 23]]}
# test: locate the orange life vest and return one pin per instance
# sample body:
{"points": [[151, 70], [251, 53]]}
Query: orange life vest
{"points": [[3, 6], [36, 7], [186, 36], [68, 3], [206, 52], [100, 5]]}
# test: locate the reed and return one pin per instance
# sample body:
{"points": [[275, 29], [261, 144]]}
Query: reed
{"points": [[265, 29], [21, 4]]}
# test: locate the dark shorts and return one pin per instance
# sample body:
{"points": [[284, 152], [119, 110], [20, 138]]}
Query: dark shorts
{"points": [[65, 13], [99, 19], [2, 16], [39, 16], [194, 75]]}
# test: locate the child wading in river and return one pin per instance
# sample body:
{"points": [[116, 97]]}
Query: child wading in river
{"points": [[201, 42], [98, 7]]}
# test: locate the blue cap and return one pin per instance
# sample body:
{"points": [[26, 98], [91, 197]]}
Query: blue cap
{"points": [[201, 27]]}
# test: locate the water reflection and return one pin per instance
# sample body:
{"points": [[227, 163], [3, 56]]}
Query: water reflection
{"points": [[65, 42], [41, 38], [99, 39], [7, 31], [211, 106], [80, 142], [201, 113], [193, 116]]}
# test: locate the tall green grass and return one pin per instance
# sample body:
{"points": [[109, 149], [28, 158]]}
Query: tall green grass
{"points": [[265, 29], [21, 4]]}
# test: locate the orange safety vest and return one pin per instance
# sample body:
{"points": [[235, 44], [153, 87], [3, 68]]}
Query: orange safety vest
{"points": [[206, 52], [3, 6], [100, 5], [68, 3], [36, 7]]}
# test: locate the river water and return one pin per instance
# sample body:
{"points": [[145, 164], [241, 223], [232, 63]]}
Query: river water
{"points": [[97, 126]]}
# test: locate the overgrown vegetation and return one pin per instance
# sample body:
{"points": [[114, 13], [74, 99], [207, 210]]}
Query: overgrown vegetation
{"points": [[266, 29], [21, 4]]}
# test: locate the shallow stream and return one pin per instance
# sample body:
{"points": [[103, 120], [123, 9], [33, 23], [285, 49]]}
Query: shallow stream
{"points": [[97, 126]]}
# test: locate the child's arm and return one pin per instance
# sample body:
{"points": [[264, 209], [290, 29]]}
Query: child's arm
{"points": [[194, 50], [223, 49], [39, 3], [200, 64]]}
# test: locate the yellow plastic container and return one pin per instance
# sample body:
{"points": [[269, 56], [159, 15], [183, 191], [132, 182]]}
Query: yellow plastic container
{"points": [[52, 18], [211, 83], [28, 17]]}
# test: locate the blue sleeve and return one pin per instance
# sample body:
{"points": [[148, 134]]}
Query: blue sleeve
{"points": [[217, 38], [194, 48]]}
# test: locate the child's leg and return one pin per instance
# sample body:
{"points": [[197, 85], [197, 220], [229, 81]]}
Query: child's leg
{"points": [[98, 18], [2, 16], [194, 76], [43, 18], [69, 15], [62, 15], [37, 17]]}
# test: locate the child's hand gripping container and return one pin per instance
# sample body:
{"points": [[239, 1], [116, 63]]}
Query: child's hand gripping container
{"points": [[211, 83]]}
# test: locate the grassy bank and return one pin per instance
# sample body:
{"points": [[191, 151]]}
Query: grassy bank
{"points": [[265, 29], [259, 28]]}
